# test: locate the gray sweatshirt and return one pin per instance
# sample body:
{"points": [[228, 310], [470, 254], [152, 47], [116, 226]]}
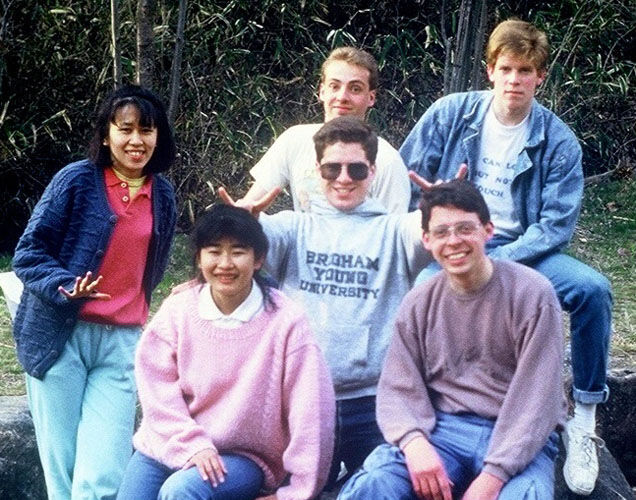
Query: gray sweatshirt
{"points": [[349, 270], [496, 353]]}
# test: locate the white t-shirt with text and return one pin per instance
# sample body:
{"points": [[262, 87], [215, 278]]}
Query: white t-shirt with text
{"points": [[498, 152]]}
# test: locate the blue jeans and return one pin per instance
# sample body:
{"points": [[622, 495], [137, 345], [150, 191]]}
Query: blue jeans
{"points": [[357, 435], [84, 412], [147, 479], [461, 442], [586, 295]]}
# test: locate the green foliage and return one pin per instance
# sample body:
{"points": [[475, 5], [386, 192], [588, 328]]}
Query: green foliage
{"points": [[179, 271], [52, 70], [606, 239], [592, 65], [251, 70]]}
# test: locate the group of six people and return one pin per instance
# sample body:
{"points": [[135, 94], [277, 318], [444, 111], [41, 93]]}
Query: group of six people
{"points": [[344, 373]]}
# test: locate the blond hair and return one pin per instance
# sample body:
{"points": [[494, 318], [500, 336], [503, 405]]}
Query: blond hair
{"points": [[520, 39], [357, 57]]}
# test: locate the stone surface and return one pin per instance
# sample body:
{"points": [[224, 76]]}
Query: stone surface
{"points": [[617, 420], [20, 471]]}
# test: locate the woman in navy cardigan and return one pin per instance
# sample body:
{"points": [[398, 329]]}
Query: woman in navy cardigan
{"points": [[95, 247]]}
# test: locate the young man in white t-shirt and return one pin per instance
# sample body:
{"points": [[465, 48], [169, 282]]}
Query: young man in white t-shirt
{"points": [[348, 86], [527, 164]]}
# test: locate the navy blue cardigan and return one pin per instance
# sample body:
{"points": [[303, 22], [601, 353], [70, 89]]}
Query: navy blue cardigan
{"points": [[67, 235]]}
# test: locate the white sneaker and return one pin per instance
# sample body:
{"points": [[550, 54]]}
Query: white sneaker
{"points": [[581, 462]]}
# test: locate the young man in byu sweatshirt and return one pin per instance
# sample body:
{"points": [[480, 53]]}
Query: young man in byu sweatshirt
{"points": [[349, 263]]}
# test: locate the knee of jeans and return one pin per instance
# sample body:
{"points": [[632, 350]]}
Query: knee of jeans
{"points": [[383, 455], [183, 484], [527, 490], [596, 288], [365, 484]]}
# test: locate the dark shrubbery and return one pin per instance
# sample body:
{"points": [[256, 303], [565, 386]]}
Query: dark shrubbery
{"points": [[251, 68]]}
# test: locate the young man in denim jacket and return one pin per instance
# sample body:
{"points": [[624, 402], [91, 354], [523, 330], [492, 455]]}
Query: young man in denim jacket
{"points": [[527, 164]]}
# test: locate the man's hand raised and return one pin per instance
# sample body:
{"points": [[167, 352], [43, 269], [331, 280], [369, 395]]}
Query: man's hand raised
{"points": [[425, 185], [426, 469], [253, 207]]}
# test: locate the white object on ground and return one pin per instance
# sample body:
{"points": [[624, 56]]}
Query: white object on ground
{"points": [[12, 289]]}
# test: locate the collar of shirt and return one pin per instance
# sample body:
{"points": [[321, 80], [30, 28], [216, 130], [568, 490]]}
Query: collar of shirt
{"points": [[249, 308], [112, 180]]}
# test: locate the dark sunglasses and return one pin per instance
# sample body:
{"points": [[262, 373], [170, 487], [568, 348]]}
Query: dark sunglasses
{"points": [[358, 171]]}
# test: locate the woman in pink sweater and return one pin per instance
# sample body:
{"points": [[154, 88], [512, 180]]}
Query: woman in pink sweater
{"points": [[236, 397]]}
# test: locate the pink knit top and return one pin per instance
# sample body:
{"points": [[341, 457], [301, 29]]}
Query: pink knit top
{"points": [[124, 262], [261, 390]]}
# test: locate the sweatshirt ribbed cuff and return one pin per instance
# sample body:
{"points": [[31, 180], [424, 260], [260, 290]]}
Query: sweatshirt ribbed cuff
{"points": [[408, 437], [497, 472]]}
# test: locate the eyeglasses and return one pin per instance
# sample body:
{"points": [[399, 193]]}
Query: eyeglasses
{"points": [[460, 229], [358, 171]]}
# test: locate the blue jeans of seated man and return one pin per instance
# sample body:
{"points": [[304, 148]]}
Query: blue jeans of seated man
{"points": [[587, 296], [461, 442], [84, 412], [357, 435], [148, 479]]}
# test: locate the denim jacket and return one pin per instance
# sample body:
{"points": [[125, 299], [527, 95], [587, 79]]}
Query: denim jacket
{"points": [[67, 235], [548, 181]]}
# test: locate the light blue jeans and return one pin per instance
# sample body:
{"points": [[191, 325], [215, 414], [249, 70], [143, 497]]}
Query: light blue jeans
{"points": [[461, 442], [148, 479], [84, 412], [586, 295]]}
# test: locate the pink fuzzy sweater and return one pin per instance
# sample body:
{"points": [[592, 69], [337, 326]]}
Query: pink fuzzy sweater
{"points": [[261, 390]]}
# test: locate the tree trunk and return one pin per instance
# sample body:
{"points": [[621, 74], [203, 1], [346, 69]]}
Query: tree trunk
{"points": [[463, 43], [478, 50], [464, 51], [115, 45], [175, 77], [145, 46], [448, 51]]}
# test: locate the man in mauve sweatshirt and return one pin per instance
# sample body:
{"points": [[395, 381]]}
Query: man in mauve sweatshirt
{"points": [[471, 393]]}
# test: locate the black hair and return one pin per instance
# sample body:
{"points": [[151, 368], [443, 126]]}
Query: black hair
{"points": [[457, 193], [347, 129], [152, 114], [227, 221]]}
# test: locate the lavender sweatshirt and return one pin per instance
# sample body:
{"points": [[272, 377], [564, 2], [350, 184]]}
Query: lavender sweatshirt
{"points": [[496, 353]]}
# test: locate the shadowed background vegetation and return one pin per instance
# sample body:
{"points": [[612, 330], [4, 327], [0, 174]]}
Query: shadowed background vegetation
{"points": [[250, 70]]}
